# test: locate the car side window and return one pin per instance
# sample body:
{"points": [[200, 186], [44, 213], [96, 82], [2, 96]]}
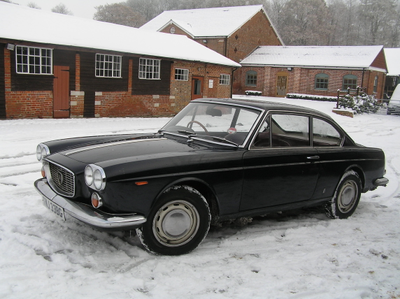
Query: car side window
{"points": [[284, 130], [325, 134], [290, 130]]}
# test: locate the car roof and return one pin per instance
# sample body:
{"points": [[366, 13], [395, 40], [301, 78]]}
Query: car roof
{"points": [[396, 94], [267, 104]]}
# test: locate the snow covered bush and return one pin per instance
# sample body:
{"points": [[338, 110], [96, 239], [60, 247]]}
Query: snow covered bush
{"points": [[362, 103]]}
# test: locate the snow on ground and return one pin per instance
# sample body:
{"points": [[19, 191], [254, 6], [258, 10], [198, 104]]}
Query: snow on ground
{"points": [[294, 255]]}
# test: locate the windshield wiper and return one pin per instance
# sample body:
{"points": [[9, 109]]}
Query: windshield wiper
{"points": [[190, 133], [225, 140]]}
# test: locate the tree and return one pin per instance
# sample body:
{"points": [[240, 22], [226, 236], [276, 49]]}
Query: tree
{"points": [[33, 5], [305, 22], [378, 19], [62, 9], [119, 13]]}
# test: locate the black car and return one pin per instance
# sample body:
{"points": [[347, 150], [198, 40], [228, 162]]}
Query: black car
{"points": [[216, 160]]}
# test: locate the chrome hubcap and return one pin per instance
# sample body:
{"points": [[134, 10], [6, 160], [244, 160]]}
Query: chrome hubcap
{"points": [[176, 223], [347, 196]]}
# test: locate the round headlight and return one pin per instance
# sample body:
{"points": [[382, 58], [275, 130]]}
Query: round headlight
{"points": [[97, 179], [42, 151], [89, 175]]}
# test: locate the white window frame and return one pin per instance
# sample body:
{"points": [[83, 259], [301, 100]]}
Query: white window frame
{"points": [[181, 74], [33, 60], [108, 66], [224, 79], [149, 69]]}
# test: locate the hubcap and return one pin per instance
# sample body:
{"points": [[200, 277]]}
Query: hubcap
{"points": [[348, 196], [176, 223]]}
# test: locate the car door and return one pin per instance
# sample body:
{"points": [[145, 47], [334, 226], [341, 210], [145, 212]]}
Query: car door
{"points": [[280, 168]]}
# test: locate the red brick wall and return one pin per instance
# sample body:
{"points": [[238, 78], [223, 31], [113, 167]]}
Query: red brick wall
{"points": [[39, 104], [25, 104], [258, 31], [302, 80]]}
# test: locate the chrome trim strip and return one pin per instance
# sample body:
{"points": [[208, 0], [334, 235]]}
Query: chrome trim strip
{"points": [[90, 147], [88, 214]]}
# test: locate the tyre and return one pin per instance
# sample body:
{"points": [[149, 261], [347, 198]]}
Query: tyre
{"points": [[346, 197], [178, 222]]}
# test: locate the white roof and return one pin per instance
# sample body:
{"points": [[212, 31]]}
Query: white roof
{"points": [[392, 56], [205, 22], [343, 57], [33, 25]]}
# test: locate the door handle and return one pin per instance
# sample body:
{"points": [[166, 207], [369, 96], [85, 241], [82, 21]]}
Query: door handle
{"points": [[313, 158]]}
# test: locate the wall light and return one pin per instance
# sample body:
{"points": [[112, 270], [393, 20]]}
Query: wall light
{"points": [[10, 47]]}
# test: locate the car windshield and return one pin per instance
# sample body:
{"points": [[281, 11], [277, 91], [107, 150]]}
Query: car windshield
{"points": [[214, 122]]}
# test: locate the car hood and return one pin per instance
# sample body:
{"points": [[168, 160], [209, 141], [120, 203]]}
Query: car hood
{"points": [[132, 150]]}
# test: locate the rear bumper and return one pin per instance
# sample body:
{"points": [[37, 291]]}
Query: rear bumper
{"points": [[88, 214], [381, 182]]}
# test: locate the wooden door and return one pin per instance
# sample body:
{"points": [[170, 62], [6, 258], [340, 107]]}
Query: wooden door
{"points": [[197, 87], [61, 106], [281, 85]]}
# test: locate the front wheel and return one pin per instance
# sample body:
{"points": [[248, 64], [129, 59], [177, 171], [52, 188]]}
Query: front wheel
{"points": [[346, 197], [178, 222]]}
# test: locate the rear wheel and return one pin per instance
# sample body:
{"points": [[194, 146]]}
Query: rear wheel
{"points": [[178, 222], [346, 198]]}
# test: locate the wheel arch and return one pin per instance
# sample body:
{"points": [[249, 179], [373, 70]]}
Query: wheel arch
{"points": [[203, 187], [360, 172]]}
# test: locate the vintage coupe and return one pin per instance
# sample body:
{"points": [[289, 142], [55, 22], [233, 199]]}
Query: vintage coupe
{"points": [[216, 160]]}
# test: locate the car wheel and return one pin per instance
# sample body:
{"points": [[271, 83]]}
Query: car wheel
{"points": [[178, 222], [346, 197]]}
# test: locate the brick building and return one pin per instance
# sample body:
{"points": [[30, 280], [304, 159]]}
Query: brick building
{"points": [[231, 31], [277, 71], [54, 65]]}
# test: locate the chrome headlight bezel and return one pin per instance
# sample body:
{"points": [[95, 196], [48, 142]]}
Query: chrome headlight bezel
{"points": [[95, 177], [42, 151]]}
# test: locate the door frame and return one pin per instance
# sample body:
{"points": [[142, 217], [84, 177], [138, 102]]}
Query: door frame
{"points": [[195, 81], [61, 92]]}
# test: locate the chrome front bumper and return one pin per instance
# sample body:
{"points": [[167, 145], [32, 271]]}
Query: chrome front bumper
{"points": [[88, 214]]}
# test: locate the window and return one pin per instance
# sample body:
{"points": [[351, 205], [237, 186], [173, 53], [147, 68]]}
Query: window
{"points": [[376, 84], [181, 74], [251, 78], [324, 134], [349, 81], [31, 60], [321, 81], [108, 66], [224, 79], [149, 69]]}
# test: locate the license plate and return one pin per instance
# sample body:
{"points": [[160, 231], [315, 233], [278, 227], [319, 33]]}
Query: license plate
{"points": [[56, 209]]}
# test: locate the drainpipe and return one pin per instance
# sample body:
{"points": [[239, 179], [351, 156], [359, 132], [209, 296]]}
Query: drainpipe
{"points": [[233, 70]]}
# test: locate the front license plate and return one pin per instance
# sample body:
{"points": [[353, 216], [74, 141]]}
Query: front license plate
{"points": [[56, 209]]}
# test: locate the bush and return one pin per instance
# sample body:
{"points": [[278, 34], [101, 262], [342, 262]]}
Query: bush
{"points": [[360, 104]]}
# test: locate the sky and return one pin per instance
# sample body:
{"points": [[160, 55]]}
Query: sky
{"points": [[79, 8]]}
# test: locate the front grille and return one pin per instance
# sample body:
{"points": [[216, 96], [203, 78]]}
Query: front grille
{"points": [[62, 180]]}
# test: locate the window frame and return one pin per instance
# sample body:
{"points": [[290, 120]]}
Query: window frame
{"points": [[104, 66], [149, 66], [224, 79], [346, 85], [26, 63], [321, 81], [251, 81], [181, 74]]}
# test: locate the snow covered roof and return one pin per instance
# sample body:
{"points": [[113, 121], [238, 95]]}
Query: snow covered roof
{"points": [[343, 57], [20, 23], [392, 56], [206, 22]]}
